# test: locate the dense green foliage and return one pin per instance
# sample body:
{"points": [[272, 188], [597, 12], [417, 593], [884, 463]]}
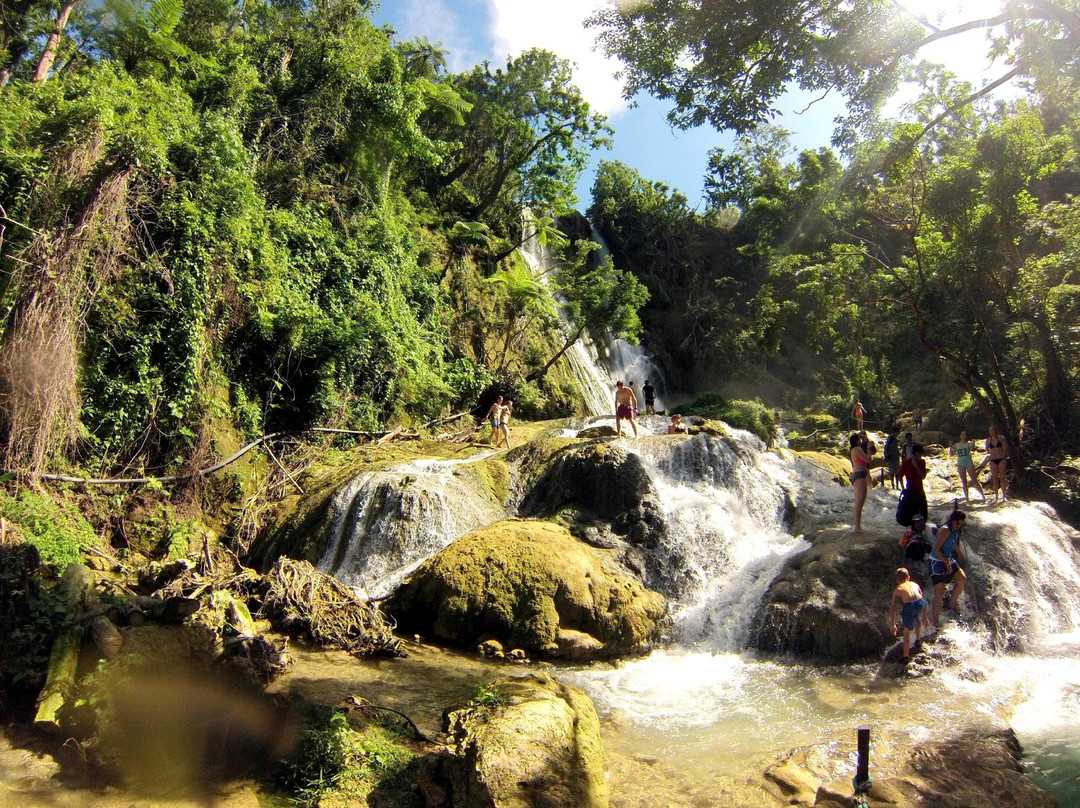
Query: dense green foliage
{"points": [[271, 216]]}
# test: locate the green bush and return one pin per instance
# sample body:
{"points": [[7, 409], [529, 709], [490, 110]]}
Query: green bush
{"points": [[349, 762], [55, 527], [752, 416]]}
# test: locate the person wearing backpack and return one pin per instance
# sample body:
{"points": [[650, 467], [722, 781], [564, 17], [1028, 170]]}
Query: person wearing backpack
{"points": [[913, 497], [944, 568], [916, 547]]}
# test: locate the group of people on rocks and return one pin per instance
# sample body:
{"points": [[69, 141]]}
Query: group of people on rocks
{"points": [[905, 468], [943, 555], [626, 408]]}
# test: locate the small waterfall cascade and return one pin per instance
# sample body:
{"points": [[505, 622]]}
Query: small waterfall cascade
{"points": [[1043, 594], [386, 523], [724, 502], [597, 388]]}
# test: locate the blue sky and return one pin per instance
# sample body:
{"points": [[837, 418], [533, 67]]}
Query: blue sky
{"points": [[474, 30]]}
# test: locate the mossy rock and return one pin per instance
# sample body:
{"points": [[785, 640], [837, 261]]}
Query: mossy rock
{"points": [[601, 478], [542, 736], [522, 583], [839, 468], [707, 426]]}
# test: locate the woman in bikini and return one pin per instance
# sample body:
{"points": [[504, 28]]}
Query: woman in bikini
{"points": [[965, 466], [860, 472], [995, 448]]}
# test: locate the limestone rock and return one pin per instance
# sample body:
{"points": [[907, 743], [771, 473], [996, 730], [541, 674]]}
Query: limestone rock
{"points": [[598, 481], [540, 748], [521, 582], [981, 766], [576, 645], [829, 601]]}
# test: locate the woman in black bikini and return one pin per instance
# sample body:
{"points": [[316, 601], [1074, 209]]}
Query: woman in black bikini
{"points": [[860, 472], [995, 448]]}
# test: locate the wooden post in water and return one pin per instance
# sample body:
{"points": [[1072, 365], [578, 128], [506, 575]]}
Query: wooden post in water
{"points": [[862, 773]]}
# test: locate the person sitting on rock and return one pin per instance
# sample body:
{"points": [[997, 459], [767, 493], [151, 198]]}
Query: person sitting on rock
{"points": [[909, 596], [676, 427]]}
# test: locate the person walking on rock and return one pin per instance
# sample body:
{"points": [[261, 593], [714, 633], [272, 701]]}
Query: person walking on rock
{"points": [[625, 407], [504, 422], [908, 596], [943, 566]]}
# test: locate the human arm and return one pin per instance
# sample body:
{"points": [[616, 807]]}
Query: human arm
{"points": [[892, 610]]}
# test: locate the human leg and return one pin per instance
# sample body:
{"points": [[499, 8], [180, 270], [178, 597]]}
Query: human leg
{"points": [[959, 582], [939, 596], [860, 500]]}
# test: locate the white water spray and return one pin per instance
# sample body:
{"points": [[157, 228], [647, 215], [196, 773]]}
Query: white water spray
{"points": [[386, 523]]}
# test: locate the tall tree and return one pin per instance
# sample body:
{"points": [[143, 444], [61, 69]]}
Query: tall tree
{"points": [[527, 135], [728, 62]]}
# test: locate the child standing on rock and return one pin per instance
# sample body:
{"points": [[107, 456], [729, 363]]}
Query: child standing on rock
{"points": [[908, 595]]}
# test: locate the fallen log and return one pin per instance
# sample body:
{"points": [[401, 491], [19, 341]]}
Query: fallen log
{"points": [[168, 610], [84, 610], [253, 655]]}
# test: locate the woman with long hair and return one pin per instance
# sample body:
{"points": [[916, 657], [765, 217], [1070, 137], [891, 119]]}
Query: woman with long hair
{"points": [[860, 478]]}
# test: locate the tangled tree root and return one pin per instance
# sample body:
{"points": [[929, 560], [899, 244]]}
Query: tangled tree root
{"points": [[302, 599]]}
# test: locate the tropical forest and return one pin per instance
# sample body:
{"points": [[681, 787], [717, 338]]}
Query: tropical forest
{"points": [[316, 486]]}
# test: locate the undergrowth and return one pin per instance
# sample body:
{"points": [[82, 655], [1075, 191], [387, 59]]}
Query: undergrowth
{"points": [[341, 762]]}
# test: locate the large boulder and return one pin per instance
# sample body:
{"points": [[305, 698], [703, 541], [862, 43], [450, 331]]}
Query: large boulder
{"points": [[597, 481], [831, 601], [979, 765], [534, 744], [527, 584]]}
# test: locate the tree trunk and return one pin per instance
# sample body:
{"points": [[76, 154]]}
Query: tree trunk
{"points": [[539, 374], [77, 588], [48, 56]]}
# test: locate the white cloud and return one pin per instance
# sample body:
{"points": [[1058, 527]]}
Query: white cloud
{"points": [[559, 26], [439, 22]]}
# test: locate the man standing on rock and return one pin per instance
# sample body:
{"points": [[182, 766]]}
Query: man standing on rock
{"points": [[625, 405], [649, 392], [913, 498], [494, 417]]}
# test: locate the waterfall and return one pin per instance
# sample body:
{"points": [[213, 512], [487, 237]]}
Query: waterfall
{"points": [[597, 388], [724, 501], [386, 523], [630, 362]]}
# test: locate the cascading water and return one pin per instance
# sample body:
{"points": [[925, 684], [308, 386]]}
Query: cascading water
{"points": [[723, 502], [385, 523], [630, 362], [703, 710], [592, 380]]}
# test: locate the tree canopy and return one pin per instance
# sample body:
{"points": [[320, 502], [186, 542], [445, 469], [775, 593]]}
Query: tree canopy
{"points": [[728, 63]]}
